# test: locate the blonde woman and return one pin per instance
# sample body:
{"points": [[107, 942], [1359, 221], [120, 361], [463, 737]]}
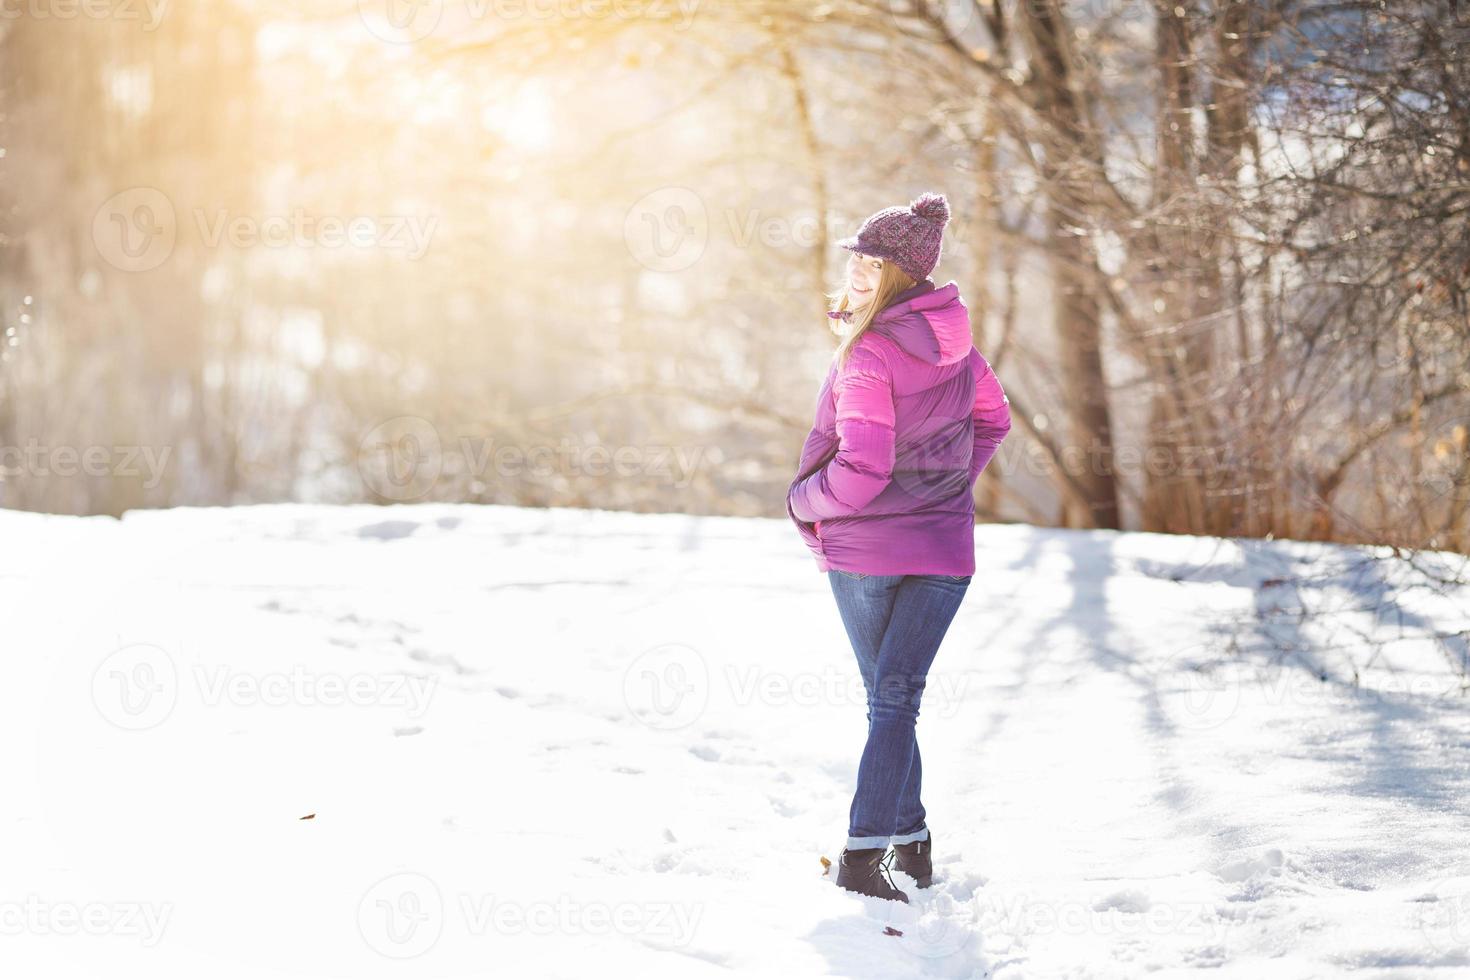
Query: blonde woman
{"points": [[908, 416]]}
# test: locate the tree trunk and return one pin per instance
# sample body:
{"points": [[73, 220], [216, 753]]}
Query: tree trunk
{"points": [[1071, 170]]}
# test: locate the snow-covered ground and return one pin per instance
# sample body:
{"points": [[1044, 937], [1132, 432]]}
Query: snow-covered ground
{"points": [[588, 744]]}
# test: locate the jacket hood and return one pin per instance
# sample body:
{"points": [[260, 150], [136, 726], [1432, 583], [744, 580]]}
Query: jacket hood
{"points": [[931, 323]]}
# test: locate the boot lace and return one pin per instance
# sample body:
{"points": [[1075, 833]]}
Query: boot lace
{"points": [[883, 866]]}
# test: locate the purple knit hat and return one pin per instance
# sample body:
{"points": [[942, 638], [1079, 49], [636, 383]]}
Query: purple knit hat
{"points": [[908, 237]]}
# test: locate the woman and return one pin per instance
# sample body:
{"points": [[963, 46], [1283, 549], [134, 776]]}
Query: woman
{"points": [[907, 418]]}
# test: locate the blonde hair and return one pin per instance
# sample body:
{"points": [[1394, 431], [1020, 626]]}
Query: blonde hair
{"points": [[891, 281]]}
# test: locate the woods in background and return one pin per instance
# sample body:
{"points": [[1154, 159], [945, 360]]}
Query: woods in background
{"points": [[576, 254]]}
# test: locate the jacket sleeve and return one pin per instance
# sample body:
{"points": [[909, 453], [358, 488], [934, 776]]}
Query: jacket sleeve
{"points": [[811, 449], [807, 530], [863, 465], [992, 415]]}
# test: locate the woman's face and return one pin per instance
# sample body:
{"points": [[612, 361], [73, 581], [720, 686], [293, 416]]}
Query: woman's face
{"points": [[863, 273]]}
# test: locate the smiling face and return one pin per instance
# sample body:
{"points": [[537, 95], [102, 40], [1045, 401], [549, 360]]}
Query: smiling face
{"points": [[863, 274]]}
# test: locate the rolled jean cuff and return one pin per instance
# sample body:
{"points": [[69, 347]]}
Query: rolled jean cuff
{"points": [[863, 843], [910, 838]]}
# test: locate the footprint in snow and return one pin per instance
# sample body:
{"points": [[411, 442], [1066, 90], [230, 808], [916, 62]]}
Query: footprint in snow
{"points": [[387, 530], [1269, 862], [785, 808], [1126, 900]]}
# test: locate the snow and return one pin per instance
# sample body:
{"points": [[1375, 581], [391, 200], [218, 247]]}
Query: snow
{"points": [[565, 743]]}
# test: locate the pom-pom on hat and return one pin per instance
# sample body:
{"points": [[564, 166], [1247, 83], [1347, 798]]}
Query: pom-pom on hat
{"points": [[908, 237]]}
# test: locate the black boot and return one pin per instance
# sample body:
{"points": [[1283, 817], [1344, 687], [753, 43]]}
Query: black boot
{"points": [[864, 871], [914, 860]]}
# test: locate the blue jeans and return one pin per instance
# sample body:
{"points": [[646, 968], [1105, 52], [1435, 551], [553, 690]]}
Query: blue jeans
{"points": [[895, 623]]}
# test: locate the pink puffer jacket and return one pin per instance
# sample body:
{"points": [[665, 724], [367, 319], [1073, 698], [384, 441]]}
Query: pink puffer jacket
{"points": [[885, 484]]}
